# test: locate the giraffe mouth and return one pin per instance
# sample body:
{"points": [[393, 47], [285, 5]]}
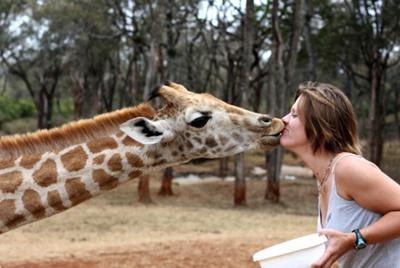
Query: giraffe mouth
{"points": [[276, 135], [269, 141]]}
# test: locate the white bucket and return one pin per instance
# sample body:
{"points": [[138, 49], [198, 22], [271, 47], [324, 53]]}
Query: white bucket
{"points": [[300, 252]]}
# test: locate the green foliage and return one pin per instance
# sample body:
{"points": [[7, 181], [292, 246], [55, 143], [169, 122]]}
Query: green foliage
{"points": [[11, 109], [64, 107]]}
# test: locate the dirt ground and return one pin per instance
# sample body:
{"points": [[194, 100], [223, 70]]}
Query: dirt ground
{"points": [[197, 227]]}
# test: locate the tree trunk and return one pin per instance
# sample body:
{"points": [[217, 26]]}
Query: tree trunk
{"points": [[275, 82], [91, 89], [77, 95], [41, 110], [152, 75], [375, 140], [273, 163], [223, 167], [297, 30], [240, 181], [143, 187], [244, 87], [312, 70], [397, 106], [45, 107], [49, 111], [154, 54], [283, 77], [166, 183]]}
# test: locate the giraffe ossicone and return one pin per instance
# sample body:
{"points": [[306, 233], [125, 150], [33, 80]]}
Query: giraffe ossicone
{"points": [[46, 172]]}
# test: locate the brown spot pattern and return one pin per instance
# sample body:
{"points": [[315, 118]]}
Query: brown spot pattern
{"points": [[33, 204], [104, 180], [135, 174], [46, 174], [6, 163], [10, 181], [76, 190], [115, 162], [74, 159], [16, 221], [8, 215], [120, 134], [28, 161], [198, 140], [102, 144], [55, 201], [127, 141], [203, 150], [223, 140], [134, 160], [235, 120], [189, 145], [210, 142], [165, 143], [237, 137], [98, 160], [152, 154]]}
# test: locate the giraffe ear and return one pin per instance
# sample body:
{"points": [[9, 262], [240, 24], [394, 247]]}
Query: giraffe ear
{"points": [[144, 130]]}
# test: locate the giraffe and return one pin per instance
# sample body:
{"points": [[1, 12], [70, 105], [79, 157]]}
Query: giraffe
{"points": [[49, 171]]}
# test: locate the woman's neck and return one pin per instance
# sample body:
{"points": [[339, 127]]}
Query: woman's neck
{"points": [[319, 162]]}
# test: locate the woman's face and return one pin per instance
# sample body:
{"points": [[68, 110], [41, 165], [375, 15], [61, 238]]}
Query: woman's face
{"points": [[294, 136]]}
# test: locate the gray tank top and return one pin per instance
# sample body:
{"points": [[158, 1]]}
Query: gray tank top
{"points": [[344, 215]]}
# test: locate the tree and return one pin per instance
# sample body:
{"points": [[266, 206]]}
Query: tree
{"points": [[244, 86], [38, 61], [280, 84], [363, 35]]}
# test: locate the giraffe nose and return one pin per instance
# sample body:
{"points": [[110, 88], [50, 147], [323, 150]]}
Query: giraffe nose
{"points": [[265, 120]]}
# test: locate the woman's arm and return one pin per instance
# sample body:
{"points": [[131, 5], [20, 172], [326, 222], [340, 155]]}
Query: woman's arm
{"points": [[372, 189]]}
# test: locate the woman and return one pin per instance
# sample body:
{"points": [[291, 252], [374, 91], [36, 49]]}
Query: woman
{"points": [[359, 205]]}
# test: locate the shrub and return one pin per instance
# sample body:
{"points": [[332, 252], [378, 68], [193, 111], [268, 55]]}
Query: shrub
{"points": [[13, 109]]}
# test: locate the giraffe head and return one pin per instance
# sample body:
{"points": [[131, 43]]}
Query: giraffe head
{"points": [[202, 126]]}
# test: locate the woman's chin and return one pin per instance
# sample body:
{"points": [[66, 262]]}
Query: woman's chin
{"points": [[285, 143]]}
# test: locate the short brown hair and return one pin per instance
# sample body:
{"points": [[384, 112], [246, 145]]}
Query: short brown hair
{"points": [[329, 119]]}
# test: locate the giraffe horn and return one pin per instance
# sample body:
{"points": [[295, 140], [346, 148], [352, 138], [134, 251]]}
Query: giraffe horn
{"points": [[170, 94], [154, 93]]}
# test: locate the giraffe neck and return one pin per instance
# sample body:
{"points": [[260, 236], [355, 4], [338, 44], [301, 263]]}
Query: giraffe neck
{"points": [[38, 186]]}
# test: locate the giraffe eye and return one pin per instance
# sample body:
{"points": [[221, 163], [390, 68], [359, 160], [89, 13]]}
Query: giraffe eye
{"points": [[200, 121]]}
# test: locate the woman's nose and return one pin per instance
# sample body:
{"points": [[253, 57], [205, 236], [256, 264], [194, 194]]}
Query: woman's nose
{"points": [[285, 119]]}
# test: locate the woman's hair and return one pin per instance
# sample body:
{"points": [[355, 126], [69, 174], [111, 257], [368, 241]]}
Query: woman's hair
{"points": [[329, 119]]}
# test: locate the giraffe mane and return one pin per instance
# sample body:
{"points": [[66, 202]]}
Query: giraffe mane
{"points": [[71, 133]]}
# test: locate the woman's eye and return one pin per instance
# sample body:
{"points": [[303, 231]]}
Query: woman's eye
{"points": [[200, 121]]}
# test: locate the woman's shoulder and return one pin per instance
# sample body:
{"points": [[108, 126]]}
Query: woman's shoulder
{"points": [[353, 173], [360, 180], [348, 162]]}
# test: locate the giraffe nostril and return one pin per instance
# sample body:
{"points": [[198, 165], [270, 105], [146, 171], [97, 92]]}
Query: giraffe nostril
{"points": [[264, 119]]}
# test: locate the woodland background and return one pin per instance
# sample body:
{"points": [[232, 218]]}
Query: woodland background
{"points": [[62, 60]]}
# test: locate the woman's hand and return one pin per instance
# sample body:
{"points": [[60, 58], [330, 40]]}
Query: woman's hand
{"points": [[338, 244]]}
